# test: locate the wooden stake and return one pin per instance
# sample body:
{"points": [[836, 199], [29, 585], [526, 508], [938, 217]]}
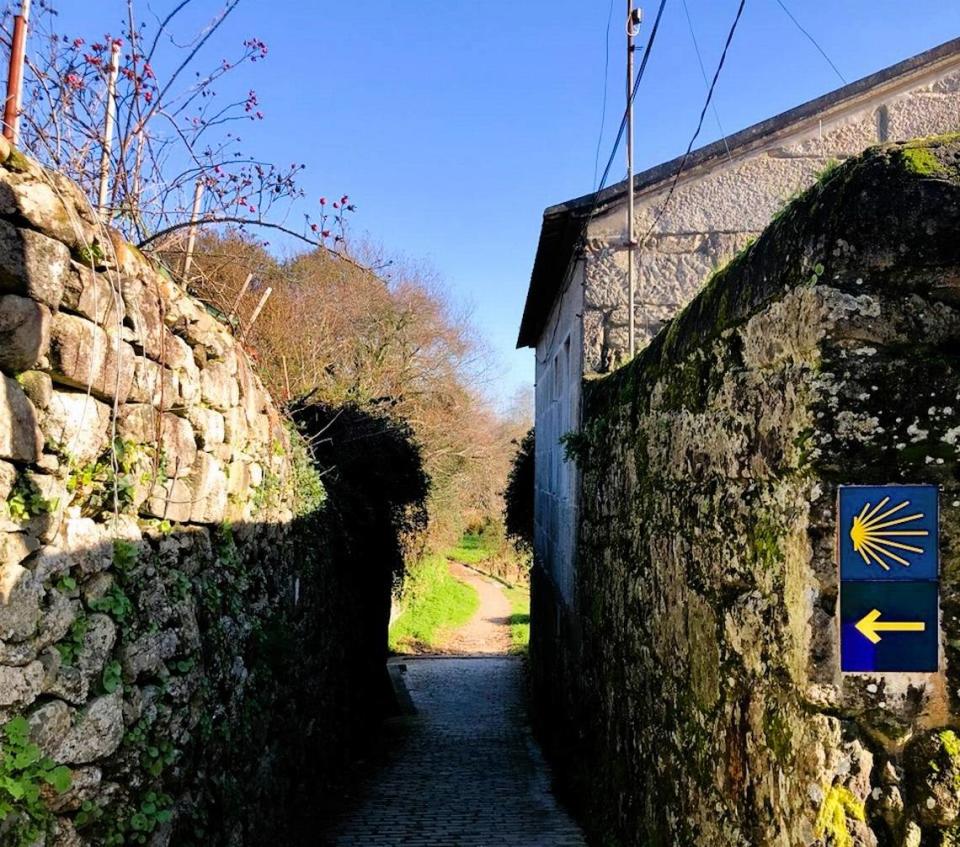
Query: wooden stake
{"points": [[243, 290], [192, 237], [256, 312], [108, 130], [286, 376]]}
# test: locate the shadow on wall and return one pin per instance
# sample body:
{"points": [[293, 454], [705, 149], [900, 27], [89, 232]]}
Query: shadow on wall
{"points": [[195, 685]]}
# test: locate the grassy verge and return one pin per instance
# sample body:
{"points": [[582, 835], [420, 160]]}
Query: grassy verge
{"points": [[435, 603], [519, 618]]}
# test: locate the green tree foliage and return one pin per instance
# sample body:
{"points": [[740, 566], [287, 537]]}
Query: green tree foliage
{"points": [[518, 497]]}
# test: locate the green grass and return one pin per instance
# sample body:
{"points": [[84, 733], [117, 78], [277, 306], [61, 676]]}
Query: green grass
{"points": [[519, 618], [435, 603], [471, 550]]}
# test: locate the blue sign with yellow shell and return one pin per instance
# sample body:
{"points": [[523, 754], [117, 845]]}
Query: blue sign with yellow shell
{"points": [[888, 549]]}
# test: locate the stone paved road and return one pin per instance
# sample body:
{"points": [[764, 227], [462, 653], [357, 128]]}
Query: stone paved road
{"points": [[464, 771]]}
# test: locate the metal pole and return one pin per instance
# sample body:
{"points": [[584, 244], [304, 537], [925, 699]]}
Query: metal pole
{"points": [[18, 52], [634, 16], [192, 237], [108, 128]]}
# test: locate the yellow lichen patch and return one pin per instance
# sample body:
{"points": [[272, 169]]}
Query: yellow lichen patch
{"points": [[839, 803]]}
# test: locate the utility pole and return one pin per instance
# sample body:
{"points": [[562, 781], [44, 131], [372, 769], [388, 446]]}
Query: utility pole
{"points": [[18, 52], [634, 18]]}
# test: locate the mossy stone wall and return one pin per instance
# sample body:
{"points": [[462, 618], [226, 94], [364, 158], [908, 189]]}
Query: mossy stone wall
{"points": [[692, 696]]}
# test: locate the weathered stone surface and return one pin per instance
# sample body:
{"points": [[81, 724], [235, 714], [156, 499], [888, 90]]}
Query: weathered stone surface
{"points": [[142, 424], [91, 295], [98, 643], [699, 663], [209, 484], [148, 653], [171, 501], [49, 725], [90, 544], [83, 356], [45, 207], [24, 332], [97, 732], [218, 387], [32, 265], [20, 686], [16, 546], [20, 437], [155, 385], [208, 426], [38, 387], [19, 602], [77, 424]]}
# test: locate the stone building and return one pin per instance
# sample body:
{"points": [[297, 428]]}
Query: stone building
{"points": [[576, 312]]}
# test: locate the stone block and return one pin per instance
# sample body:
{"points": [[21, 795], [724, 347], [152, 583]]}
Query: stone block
{"points": [[76, 424], [209, 484], [49, 725], [142, 423], [82, 355], [96, 734], [172, 501], [16, 546], [148, 653], [46, 207], [8, 476], [208, 426], [154, 384], [235, 428], [24, 332], [32, 265], [98, 643], [218, 388], [89, 543], [19, 602], [143, 310], [19, 687], [38, 387], [91, 295], [20, 436]]}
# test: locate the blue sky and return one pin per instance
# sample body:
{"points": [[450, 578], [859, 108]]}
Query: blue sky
{"points": [[452, 124]]}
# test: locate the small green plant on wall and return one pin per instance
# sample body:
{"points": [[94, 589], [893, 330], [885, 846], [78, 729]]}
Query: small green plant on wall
{"points": [[24, 773]]}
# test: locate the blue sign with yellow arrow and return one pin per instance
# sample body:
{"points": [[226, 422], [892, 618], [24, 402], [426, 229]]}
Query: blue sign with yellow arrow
{"points": [[889, 577]]}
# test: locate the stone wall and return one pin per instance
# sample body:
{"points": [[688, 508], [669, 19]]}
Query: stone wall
{"points": [[723, 204], [175, 634], [693, 696]]}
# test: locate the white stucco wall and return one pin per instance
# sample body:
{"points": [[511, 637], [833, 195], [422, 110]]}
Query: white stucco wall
{"points": [[559, 367], [719, 206]]}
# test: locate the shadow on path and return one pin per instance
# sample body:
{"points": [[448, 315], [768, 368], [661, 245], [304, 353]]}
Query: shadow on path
{"points": [[463, 770]]}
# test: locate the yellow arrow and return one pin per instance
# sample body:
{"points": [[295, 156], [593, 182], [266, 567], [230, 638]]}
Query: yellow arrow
{"points": [[869, 625]]}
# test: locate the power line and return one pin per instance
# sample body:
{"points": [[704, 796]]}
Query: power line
{"points": [[703, 73], [813, 41], [603, 110], [703, 112]]}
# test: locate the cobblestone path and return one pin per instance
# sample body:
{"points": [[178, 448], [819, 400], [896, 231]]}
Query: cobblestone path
{"points": [[464, 771]]}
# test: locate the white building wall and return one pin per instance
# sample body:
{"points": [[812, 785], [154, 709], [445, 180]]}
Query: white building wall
{"points": [[559, 370]]}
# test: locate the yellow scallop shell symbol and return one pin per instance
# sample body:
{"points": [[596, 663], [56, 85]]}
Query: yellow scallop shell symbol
{"points": [[873, 535]]}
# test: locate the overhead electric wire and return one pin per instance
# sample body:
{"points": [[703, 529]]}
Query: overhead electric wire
{"points": [[603, 108], [813, 41], [703, 73], [696, 134]]}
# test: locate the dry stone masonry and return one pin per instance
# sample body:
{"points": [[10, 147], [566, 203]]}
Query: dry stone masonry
{"points": [[163, 592], [693, 692]]}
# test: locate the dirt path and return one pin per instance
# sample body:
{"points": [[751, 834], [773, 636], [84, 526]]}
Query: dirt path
{"points": [[488, 631]]}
